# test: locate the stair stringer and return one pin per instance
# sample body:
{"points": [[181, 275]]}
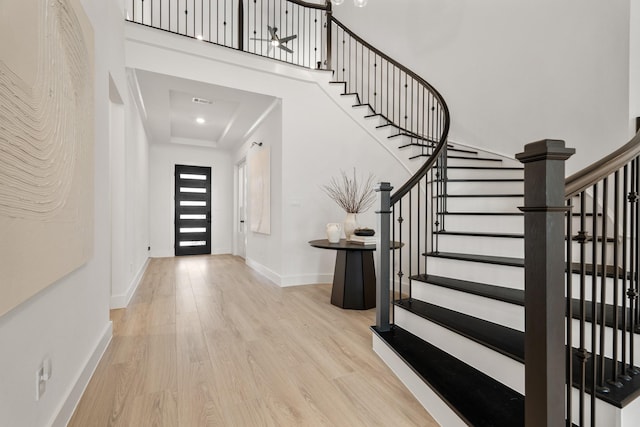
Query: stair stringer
{"points": [[357, 114]]}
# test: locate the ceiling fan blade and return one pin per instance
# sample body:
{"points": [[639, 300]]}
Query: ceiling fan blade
{"points": [[286, 49], [261, 40], [288, 38]]}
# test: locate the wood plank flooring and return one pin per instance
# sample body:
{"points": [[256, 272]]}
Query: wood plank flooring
{"points": [[206, 341]]}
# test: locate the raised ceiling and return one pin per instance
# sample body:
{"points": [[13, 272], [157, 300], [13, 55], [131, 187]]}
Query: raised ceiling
{"points": [[170, 113]]}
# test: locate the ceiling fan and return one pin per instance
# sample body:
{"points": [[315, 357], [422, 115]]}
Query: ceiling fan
{"points": [[276, 41]]}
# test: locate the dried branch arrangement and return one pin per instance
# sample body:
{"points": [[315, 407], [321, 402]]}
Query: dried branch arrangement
{"points": [[349, 194]]}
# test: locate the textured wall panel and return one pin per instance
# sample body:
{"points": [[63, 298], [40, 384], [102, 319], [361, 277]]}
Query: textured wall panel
{"points": [[46, 145]]}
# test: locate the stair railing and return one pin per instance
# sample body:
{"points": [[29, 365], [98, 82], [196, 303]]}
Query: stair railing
{"points": [[244, 25], [594, 325]]}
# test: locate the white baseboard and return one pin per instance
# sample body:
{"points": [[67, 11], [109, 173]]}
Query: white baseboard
{"points": [[69, 404], [305, 279], [122, 300], [286, 281]]}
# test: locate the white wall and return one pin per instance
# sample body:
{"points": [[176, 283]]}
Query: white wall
{"points": [[69, 320], [514, 72], [162, 161]]}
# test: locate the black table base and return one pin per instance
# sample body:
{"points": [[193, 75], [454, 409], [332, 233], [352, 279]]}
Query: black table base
{"points": [[354, 280]]}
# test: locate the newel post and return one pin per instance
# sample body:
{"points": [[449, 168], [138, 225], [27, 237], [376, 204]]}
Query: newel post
{"points": [[544, 228], [382, 254]]}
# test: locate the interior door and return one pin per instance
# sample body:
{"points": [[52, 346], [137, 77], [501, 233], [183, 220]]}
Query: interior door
{"points": [[241, 229], [192, 210]]}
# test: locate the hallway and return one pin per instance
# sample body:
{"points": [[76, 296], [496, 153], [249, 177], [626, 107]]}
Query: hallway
{"points": [[206, 341]]}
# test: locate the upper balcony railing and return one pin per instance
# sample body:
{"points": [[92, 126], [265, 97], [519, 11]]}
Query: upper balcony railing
{"points": [[307, 35]]}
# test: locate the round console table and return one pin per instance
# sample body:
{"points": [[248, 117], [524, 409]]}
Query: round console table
{"points": [[354, 277]]}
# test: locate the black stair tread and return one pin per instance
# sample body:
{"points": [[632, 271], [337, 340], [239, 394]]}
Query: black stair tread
{"points": [[373, 115], [415, 144], [487, 259], [498, 213], [481, 213], [487, 168], [478, 195], [510, 342], [412, 136], [488, 403], [479, 234], [485, 180], [609, 270], [502, 339], [499, 293], [462, 150], [516, 297], [490, 159]]}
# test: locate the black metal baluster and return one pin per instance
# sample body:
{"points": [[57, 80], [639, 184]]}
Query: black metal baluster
{"points": [[410, 250], [625, 218], [393, 264], [616, 272], [633, 265], [603, 282], [583, 355], [400, 237], [569, 317], [636, 241]]}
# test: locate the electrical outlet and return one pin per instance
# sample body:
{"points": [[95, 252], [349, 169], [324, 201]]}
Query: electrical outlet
{"points": [[43, 374]]}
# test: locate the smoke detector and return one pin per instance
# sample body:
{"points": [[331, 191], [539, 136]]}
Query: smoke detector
{"points": [[201, 101]]}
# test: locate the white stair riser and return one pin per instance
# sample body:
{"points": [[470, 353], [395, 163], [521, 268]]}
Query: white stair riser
{"points": [[499, 275], [482, 245], [485, 187], [588, 288], [502, 313], [496, 365], [606, 415], [608, 341], [468, 173], [472, 162], [484, 204], [485, 223], [509, 247], [575, 252]]}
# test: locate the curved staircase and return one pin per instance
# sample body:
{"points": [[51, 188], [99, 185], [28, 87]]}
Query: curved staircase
{"points": [[450, 319]]}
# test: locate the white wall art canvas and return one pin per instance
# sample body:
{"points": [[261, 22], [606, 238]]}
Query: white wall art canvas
{"points": [[259, 165], [46, 145]]}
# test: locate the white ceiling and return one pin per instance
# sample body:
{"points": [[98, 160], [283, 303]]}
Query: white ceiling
{"points": [[170, 113]]}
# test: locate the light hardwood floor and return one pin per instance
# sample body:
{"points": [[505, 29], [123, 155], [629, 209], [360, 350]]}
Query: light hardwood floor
{"points": [[206, 341]]}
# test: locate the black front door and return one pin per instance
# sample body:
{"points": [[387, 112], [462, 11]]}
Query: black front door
{"points": [[192, 210]]}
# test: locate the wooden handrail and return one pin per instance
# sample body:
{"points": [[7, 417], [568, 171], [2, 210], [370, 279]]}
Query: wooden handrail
{"points": [[604, 167], [407, 186]]}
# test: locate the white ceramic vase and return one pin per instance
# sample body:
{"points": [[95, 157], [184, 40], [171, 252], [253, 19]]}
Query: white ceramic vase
{"points": [[334, 230], [350, 224]]}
